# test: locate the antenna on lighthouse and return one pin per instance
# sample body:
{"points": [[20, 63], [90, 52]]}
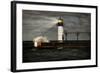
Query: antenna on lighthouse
{"points": [[59, 17]]}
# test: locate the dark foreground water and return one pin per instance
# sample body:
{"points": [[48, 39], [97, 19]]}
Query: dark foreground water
{"points": [[38, 55]]}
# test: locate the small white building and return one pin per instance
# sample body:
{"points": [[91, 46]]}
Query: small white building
{"points": [[38, 40]]}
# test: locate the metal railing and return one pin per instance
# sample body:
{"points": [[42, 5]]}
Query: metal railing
{"points": [[77, 34]]}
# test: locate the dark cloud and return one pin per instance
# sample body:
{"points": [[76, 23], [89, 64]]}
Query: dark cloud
{"points": [[37, 23]]}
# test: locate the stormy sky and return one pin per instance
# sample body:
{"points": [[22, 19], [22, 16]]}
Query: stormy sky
{"points": [[43, 23]]}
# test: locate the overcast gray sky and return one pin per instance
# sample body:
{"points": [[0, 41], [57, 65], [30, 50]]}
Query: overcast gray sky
{"points": [[37, 23]]}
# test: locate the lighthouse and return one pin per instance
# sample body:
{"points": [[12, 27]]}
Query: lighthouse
{"points": [[60, 30]]}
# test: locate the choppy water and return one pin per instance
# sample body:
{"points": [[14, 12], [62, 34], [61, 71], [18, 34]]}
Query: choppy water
{"points": [[38, 55]]}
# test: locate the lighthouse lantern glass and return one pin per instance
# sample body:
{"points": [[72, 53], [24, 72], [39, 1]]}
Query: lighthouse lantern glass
{"points": [[60, 21]]}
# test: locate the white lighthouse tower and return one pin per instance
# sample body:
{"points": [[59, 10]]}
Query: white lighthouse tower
{"points": [[60, 30]]}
